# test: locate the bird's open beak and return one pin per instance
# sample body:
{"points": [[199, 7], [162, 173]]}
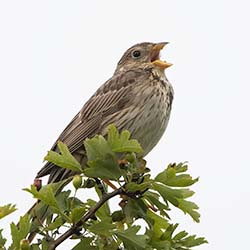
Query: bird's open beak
{"points": [[155, 56]]}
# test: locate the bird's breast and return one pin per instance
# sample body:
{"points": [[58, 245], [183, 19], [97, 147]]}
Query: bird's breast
{"points": [[153, 105]]}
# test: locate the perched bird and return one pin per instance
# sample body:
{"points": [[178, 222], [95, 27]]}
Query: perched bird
{"points": [[138, 97]]}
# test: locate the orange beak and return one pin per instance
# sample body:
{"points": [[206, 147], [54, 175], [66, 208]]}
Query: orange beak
{"points": [[155, 56]]}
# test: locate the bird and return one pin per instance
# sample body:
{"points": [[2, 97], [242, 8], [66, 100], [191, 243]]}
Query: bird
{"points": [[138, 98]]}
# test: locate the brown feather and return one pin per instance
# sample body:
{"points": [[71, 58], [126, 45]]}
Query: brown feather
{"points": [[110, 98]]}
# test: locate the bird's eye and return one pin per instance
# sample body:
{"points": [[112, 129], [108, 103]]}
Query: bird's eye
{"points": [[136, 54]]}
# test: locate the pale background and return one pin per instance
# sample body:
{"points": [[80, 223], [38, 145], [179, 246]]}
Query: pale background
{"points": [[55, 54]]}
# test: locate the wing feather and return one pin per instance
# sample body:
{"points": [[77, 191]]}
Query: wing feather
{"points": [[112, 97]]}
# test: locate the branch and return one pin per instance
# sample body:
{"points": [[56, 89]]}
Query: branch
{"points": [[87, 216]]}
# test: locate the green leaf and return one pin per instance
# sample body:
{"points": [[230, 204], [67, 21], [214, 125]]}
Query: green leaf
{"points": [[2, 240], [20, 232], [65, 159], [131, 240], [85, 244], [121, 143], [64, 201], [172, 195], [45, 244], [153, 199], [170, 177], [133, 187], [56, 224], [103, 227], [117, 216], [192, 241], [135, 209], [184, 241], [77, 213], [7, 209], [103, 212], [167, 235], [190, 208], [159, 223], [177, 198], [180, 167], [35, 247], [160, 244], [180, 235], [156, 242], [97, 148], [45, 194], [106, 168], [102, 161]]}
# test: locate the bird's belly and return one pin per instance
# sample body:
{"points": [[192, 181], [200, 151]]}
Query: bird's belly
{"points": [[151, 124]]}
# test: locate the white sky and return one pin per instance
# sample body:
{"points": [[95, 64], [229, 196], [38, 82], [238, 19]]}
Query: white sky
{"points": [[55, 54]]}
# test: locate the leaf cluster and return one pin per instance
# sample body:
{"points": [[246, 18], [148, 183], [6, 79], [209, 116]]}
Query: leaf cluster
{"points": [[108, 223]]}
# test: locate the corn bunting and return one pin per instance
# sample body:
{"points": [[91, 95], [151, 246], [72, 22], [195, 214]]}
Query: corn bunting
{"points": [[138, 97]]}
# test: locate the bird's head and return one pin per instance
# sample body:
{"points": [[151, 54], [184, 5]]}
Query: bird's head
{"points": [[143, 55]]}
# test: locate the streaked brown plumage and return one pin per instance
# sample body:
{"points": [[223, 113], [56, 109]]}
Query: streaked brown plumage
{"points": [[137, 97]]}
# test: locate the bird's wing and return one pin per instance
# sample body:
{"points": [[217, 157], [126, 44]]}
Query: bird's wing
{"points": [[111, 97]]}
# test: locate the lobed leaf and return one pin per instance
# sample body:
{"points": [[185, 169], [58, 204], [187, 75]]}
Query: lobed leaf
{"points": [[177, 198], [190, 208], [97, 148], [7, 209], [63, 159], [135, 209], [142, 198], [103, 212], [134, 187], [153, 199], [58, 222], [131, 239], [106, 168], [77, 213], [45, 194], [170, 177], [121, 143], [180, 167], [85, 244], [2, 240], [19, 232], [192, 241], [104, 227], [180, 235], [159, 223]]}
